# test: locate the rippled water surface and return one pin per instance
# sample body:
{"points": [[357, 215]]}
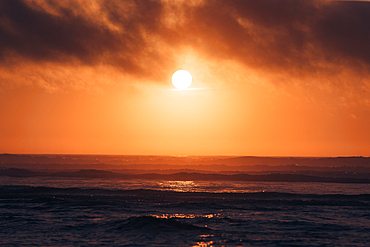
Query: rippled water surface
{"points": [[85, 212], [192, 186]]}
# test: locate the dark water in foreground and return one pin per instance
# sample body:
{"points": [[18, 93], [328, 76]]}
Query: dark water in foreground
{"points": [[85, 212]]}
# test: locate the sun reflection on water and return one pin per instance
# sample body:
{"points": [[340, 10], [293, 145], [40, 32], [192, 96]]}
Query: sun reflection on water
{"points": [[204, 244], [179, 186], [184, 216]]}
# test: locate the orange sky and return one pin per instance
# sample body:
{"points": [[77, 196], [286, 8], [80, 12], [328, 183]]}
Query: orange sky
{"points": [[270, 78]]}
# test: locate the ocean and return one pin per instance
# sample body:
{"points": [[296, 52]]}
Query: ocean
{"points": [[85, 212], [70, 210]]}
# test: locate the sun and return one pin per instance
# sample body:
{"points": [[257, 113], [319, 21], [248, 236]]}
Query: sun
{"points": [[181, 79]]}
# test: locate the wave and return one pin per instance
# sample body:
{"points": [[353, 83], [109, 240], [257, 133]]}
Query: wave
{"points": [[137, 193], [154, 224], [185, 176]]}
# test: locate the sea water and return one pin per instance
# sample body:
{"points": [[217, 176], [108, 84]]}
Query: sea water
{"points": [[42, 211]]}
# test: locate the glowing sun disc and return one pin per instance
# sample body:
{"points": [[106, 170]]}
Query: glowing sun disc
{"points": [[181, 79]]}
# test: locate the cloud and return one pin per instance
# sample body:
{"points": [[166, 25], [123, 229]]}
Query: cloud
{"points": [[51, 31], [297, 39]]}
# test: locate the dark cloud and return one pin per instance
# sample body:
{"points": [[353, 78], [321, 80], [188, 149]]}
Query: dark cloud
{"points": [[281, 35], [38, 35], [297, 37], [344, 30]]}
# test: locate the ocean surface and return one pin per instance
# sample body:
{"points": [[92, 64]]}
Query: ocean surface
{"points": [[52, 211]]}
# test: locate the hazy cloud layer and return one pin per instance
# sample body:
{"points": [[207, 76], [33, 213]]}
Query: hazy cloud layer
{"points": [[295, 37], [51, 32]]}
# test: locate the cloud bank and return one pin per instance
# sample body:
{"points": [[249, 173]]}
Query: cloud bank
{"points": [[299, 39]]}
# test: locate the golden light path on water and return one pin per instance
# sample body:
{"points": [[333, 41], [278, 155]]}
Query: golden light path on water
{"points": [[192, 216], [191, 186], [179, 186], [184, 216]]}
